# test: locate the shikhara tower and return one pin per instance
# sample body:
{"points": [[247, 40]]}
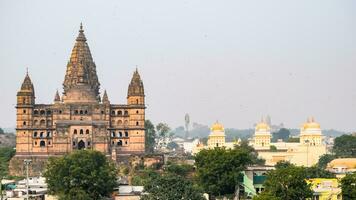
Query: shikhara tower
{"points": [[80, 118]]}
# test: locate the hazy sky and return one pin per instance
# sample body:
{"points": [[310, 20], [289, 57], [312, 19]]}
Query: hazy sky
{"points": [[231, 61]]}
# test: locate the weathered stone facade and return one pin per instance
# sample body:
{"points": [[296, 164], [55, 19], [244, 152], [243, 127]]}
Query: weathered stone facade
{"points": [[80, 118]]}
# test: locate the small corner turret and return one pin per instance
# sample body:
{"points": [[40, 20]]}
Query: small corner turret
{"points": [[26, 95]]}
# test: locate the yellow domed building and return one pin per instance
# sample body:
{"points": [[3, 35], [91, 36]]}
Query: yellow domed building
{"points": [[217, 136], [304, 153], [310, 133], [263, 135], [216, 139]]}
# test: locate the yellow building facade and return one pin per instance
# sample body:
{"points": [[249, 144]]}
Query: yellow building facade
{"points": [[304, 153], [215, 139], [325, 188]]}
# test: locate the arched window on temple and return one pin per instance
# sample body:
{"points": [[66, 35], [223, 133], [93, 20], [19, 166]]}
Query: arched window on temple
{"points": [[81, 132], [75, 131], [42, 144]]}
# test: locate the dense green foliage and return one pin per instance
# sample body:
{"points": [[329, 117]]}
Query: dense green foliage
{"points": [[6, 153], [348, 186], [282, 134], [181, 170], [293, 140], [324, 160], [287, 183], [219, 170], [80, 175], [171, 186], [163, 129], [345, 146], [150, 136], [172, 145]]}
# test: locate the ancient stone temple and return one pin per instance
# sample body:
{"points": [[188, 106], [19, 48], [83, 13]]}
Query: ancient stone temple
{"points": [[79, 118]]}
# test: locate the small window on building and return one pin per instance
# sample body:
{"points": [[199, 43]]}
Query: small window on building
{"points": [[119, 112], [87, 131], [60, 112], [35, 112], [136, 101], [41, 135], [35, 134], [136, 111], [126, 112], [81, 112], [119, 143], [113, 112], [120, 134], [49, 112], [75, 131], [102, 112], [35, 143], [24, 123], [81, 132], [86, 112], [137, 123], [113, 134], [125, 142], [113, 143], [24, 111], [76, 112], [42, 144], [73, 143], [42, 112], [48, 134], [42, 122], [126, 134], [49, 142]]}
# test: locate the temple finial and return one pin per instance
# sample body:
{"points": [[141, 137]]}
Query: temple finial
{"points": [[26, 70], [81, 27]]}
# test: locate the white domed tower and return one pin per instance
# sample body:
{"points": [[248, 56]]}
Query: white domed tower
{"points": [[310, 133]]}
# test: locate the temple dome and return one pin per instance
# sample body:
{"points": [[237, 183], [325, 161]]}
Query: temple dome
{"points": [[310, 124], [217, 127], [262, 126]]}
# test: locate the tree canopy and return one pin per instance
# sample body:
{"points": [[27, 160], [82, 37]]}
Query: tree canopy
{"points": [[6, 153], [287, 183], [348, 186], [345, 146], [282, 134], [150, 136], [324, 160], [80, 175], [219, 170], [171, 186], [163, 129]]}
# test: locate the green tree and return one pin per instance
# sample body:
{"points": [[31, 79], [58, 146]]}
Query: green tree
{"points": [[2, 131], [170, 186], [345, 146], [163, 129], [293, 140], [266, 196], [244, 146], [150, 136], [348, 186], [219, 170], [283, 134], [316, 172], [6, 153], [273, 148], [283, 164], [85, 171], [288, 183], [324, 160], [181, 170], [172, 145]]}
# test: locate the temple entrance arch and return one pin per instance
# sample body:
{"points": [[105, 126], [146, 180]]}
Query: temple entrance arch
{"points": [[81, 145]]}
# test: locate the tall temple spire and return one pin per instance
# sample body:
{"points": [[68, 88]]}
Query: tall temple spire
{"points": [[136, 86], [81, 70], [27, 85]]}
